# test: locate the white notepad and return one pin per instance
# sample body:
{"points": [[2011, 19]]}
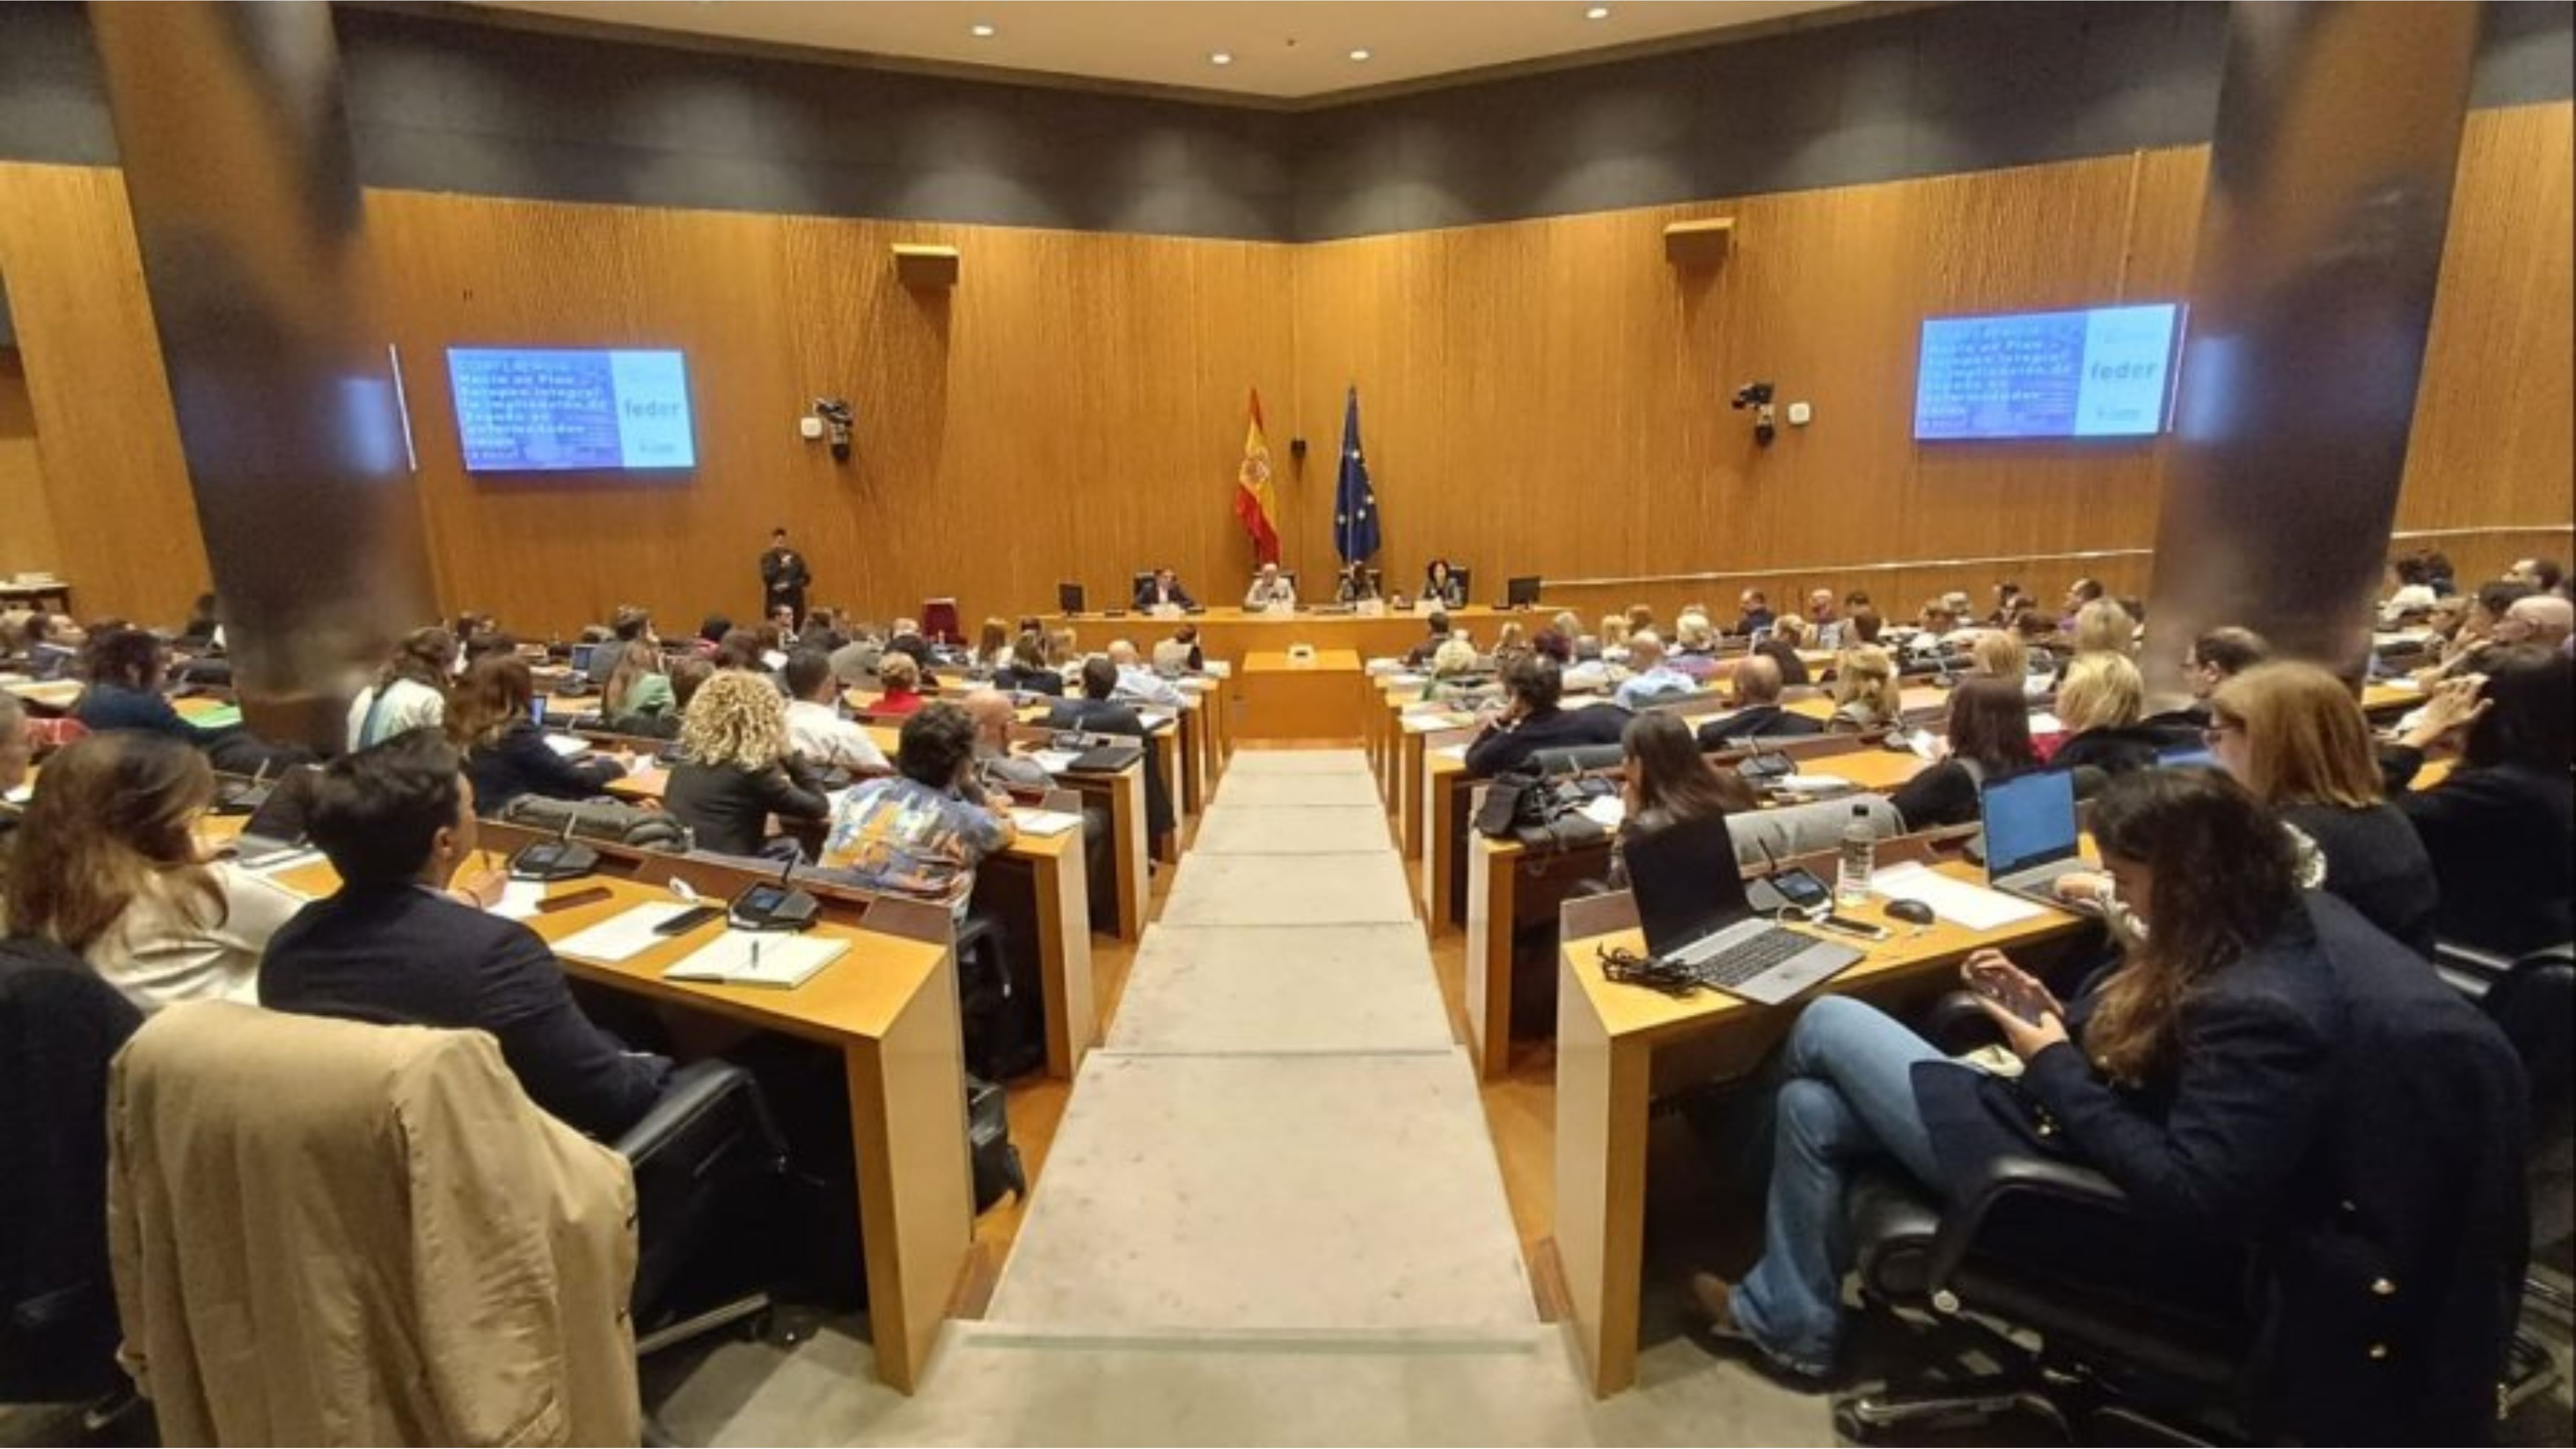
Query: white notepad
{"points": [[520, 899], [758, 958], [568, 745], [1054, 762], [1956, 901], [628, 933], [1043, 822]]}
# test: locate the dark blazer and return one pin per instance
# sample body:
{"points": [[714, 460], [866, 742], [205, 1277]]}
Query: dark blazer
{"points": [[1754, 619], [2337, 1109], [520, 762], [2375, 861], [2502, 840], [1147, 596], [115, 707], [1942, 794], [1116, 717], [1500, 748], [728, 807], [409, 954], [1756, 721], [1793, 670], [2114, 750], [1031, 681]]}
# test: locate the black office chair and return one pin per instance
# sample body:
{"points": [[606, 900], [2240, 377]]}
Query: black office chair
{"points": [[707, 1162], [2533, 1001]]}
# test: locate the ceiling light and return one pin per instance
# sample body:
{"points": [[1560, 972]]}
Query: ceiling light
{"points": [[980, 31], [1221, 57], [1597, 12], [1361, 54]]}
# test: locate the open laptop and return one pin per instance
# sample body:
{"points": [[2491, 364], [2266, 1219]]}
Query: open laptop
{"points": [[2031, 833], [1690, 899], [275, 831]]}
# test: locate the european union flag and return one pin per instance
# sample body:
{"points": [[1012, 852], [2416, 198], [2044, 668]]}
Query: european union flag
{"points": [[1354, 502]]}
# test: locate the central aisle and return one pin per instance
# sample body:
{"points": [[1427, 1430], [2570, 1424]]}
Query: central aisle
{"points": [[1272, 1213]]}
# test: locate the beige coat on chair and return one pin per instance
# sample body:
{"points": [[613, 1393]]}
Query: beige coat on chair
{"points": [[333, 1233]]}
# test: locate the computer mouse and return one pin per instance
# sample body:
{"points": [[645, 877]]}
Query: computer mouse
{"points": [[1911, 912]]}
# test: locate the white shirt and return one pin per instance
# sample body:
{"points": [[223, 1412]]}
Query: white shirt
{"points": [[161, 950], [1137, 682], [1266, 593], [818, 732], [409, 704]]}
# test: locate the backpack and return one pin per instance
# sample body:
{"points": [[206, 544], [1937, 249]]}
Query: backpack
{"points": [[997, 1165], [631, 825]]}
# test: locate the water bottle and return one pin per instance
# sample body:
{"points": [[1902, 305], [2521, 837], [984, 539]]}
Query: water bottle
{"points": [[1859, 859]]}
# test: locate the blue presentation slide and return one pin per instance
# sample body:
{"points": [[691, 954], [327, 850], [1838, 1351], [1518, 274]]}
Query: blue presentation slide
{"points": [[2105, 372], [524, 410]]}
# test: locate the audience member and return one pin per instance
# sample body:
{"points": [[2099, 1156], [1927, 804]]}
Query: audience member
{"points": [[410, 693], [17, 751], [855, 661], [1437, 634], [1138, 683], [107, 865], [2540, 575], [394, 944], [1866, 694], [920, 833], [2545, 620], [637, 689], [2221, 654], [1510, 642], [992, 646], [736, 770], [1862, 626], [1666, 781], [2000, 654], [2501, 830], [2468, 647], [1757, 708], [506, 751], [816, 729], [1988, 740], [2078, 594], [1828, 621], [203, 633], [898, 685], [1028, 671], [1695, 651], [2103, 627], [1161, 590], [1649, 677], [1532, 720], [1756, 612], [686, 677], [994, 716], [1180, 654], [2102, 705], [1788, 637], [1456, 672], [740, 649], [1614, 637], [1642, 616], [1096, 711]]}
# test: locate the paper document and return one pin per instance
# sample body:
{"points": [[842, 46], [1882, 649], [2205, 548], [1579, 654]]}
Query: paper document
{"points": [[519, 899], [1220, 668], [568, 745], [1956, 901], [1605, 811], [1451, 752], [2044, 723], [627, 934], [1043, 822], [1815, 785], [758, 958], [1054, 762]]}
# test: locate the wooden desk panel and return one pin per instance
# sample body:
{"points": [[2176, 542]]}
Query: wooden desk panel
{"points": [[1231, 633], [1311, 699]]}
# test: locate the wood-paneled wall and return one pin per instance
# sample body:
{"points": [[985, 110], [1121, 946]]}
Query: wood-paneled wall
{"points": [[27, 538], [1540, 397]]}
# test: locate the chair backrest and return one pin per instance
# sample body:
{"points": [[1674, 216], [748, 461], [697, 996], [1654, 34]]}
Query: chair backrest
{"points": [[939, 621], [2534, 1004]]}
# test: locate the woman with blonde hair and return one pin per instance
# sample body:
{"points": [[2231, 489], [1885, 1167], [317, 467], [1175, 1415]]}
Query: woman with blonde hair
{"points": [[1788, 635], [2103, 627], [1614, 636], [899, 683], [107, 864], [1455, 669], [735, 769], [1866, 694], [2100, 702]]}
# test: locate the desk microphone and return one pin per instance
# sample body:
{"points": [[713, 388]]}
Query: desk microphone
{"points": [[562, 858]]}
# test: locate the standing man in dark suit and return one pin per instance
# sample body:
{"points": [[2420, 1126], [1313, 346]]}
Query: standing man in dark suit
{"points": [[1163, 588], [783, 577], [397, 945]]}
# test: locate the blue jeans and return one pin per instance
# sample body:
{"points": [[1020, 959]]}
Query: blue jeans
{"points": [[1846, 1100]]}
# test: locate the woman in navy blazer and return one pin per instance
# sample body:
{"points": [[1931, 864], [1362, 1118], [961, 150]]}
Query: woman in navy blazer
{"points": [[506, 754]]}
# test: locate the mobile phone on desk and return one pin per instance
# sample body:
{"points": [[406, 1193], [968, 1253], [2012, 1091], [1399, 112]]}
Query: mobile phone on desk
{"points": [[1849, 927], [689, 920]]}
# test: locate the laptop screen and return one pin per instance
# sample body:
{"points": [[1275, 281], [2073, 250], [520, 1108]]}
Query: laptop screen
{"points": [[2030, 820], [1686, 882], [582, 655], [2185, 756]]}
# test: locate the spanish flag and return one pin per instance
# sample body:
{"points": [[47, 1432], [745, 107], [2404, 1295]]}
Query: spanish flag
{"points": [[1254, 503]]}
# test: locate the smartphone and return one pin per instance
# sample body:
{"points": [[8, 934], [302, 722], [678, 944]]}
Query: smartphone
{"points": [[689, 920], [1801, 888], [589, 897], [1850, 927], [2003, 991]]}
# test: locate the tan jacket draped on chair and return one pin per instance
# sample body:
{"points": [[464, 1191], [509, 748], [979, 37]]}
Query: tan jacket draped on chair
{"points": [[332, 1233]]}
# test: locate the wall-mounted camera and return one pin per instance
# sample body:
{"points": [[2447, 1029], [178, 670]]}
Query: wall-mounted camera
{"points": [[1757, 396], [837, 419]]}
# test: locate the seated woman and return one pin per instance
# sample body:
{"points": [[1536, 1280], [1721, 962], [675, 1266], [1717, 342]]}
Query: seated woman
{"points": [[2212, 1077], [637, 691], [2001, 654], [1456, 671], [2294, 735], [2103, 627], [1866, 694], [1694, 650], [1666, 781], [1441, 585], [1989, 740], [1027, 672], [899, 683], [735, 769], [107, 864], [505, 749], [410, 693], [2501, 830], [2100, 704], [1355, 585], [992, 646]]}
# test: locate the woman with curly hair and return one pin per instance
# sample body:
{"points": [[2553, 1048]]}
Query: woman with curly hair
{"points": [[735, 770]]}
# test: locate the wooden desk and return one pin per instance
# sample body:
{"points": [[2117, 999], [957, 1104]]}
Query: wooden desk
{"points": [[1232, 633], [2390, 700], [54, 592], [1285, 698], [1446, 791], [1618, 1047], [889, 1006], [1509, 885], [1416, 737]]}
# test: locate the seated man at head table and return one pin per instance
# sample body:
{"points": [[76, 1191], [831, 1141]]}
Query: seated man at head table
{"points": [[396, 945], [1355, 585], [1649, 676], [920, 833], [1756, 612], [816, 728], [1270, 589], [1161, 590], [1532, 720], [1138, 683], [1758, 711]]}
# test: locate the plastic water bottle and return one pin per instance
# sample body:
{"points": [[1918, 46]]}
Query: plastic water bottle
{"points": [[1859, 860]]}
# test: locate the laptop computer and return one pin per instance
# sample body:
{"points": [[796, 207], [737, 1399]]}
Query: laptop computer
{"points": [[2030, 833], [275, 831], [1690, 899]]}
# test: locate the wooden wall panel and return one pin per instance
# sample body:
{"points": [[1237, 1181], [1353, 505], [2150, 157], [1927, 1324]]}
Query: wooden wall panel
{"points": [[27, 539]]}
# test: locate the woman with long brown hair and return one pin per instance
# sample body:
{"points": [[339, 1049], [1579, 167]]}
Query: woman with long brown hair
{"points": [[490, 721], [1988, 739], [409, 693], [1667, 781], [637, 688], [107, 864], [2229, 1076]]}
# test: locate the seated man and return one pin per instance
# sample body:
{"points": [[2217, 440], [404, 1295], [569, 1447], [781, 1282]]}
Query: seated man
{"points": [[2542, 619], [1758, 712], [2216, 657], [1270, 589], [1649, 677], [1098, 712], [1138, 683], [1420, 654], [1163, 589], [1532, 721], [921, 833], [995, 765], [395, 945], [855, 662], [1757, 612], [815, 727]]}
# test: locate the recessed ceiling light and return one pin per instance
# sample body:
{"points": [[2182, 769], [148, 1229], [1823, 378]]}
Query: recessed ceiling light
{"points": [[1221, 57], [980, 31], [1597, 12], [1361, 54]]}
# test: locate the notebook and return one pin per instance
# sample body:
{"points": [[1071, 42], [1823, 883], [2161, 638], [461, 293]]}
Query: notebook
{"points": [[628, 933], [1044, 822], [758, 958]]}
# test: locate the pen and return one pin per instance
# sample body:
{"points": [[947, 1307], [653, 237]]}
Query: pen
{"points": [[755, 955]]}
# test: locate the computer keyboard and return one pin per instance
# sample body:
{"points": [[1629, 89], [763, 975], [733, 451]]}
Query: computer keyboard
{"points": [[1734, 965]]}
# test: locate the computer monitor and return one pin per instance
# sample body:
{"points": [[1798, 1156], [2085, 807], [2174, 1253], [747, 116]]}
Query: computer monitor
{"points": [[2030, 821], [1521, 592], [1068, 598], [582, 655]]}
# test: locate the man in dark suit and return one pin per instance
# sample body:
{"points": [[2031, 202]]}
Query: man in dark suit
{"points": [[783, 577], [1532, 722], [1096, 713], [1757, 708], [395, 945], [1163, 588]]}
